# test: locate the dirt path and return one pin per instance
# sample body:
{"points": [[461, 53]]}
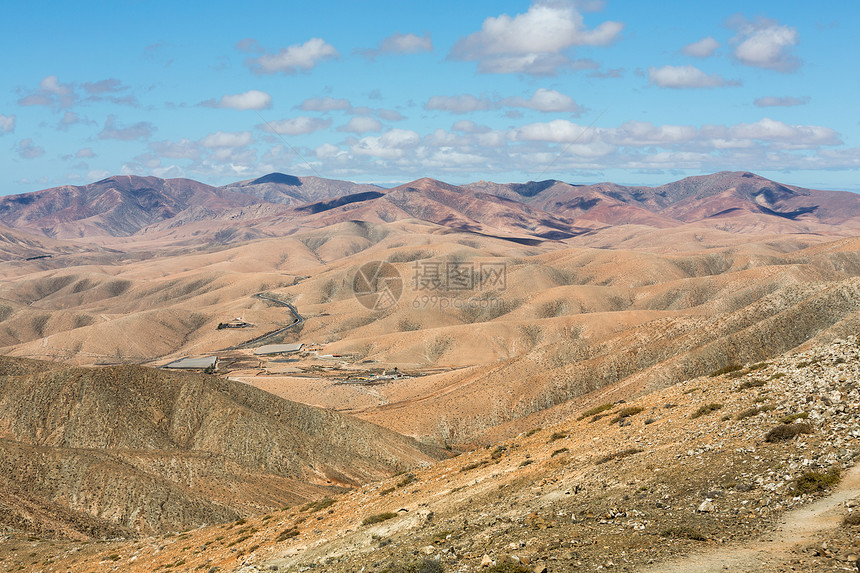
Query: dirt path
{"points": [[798, 527]]}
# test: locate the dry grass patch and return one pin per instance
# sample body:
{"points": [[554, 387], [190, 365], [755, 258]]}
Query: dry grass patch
{"points": [[618, 455], [706, 409], [626, 413], [754, 411], [378, 518], [785, 432], [594, 411], [814, 482], [726, 370], [683, 532]]}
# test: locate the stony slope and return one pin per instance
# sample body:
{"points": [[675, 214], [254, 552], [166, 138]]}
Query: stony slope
{"points": [[627, 486]]}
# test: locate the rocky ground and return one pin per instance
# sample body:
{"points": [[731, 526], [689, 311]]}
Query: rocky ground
{"points": [[713, 466]]}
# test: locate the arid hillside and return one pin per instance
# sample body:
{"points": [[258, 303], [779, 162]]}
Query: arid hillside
{"points": [[752, 468], [136, 450]]}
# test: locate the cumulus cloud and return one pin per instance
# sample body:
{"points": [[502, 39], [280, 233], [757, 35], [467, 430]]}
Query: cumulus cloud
{"points": [[684, 77], [27, 149], [765, 44], [295, 58], [546, 101], [227, 139], [54, 93], [249, 100], [465, 103], [297, 125], [7, 123], [139, 130], [325, 104], [361, 124], [534, 42], [793, 135], [390, 115], [182, 149], [704, 48], [468, 126], [51, 92], [110, 85], [787, 101], [390, 145], [400, 44]]}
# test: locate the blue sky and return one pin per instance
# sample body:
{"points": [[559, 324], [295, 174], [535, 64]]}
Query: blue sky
{"points": [[387, 92]]}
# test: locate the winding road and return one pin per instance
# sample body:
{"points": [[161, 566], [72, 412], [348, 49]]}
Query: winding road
{"points": [[299, 320]]}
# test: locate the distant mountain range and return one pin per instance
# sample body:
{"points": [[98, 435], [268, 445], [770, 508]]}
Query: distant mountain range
{"points": [[278, 204]]}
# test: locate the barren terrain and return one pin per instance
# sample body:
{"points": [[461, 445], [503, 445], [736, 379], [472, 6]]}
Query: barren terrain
{"points": [[517, 309]]}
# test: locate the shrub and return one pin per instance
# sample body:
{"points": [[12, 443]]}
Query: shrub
{"points": [[751, 384], [386, 491], [792, 417], [509, 567], [726, 370], [287, 534], [315, 506], [421, 566], [706, 409], [814, 482], [626, 413], [407, 479], [474, 466], [559, 451], [683, 532], [754, 411], [533, 431], [498, 452], [525, 463], [618, 455], [785, 432], [852, 519], [596, 410], [378, 518], [556, 436]]}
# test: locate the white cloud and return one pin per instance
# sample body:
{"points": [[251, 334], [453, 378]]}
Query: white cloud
{"points": [[534, 42], [325, 104], [86, 152], [401, 44], [390, 115], [683, 77], [361, 124], [182, 149], [249, 100], [793, 135], [787, 101], [468, 126], [51, 92], [27, 149], [327, 150], [546, 101], [227, 139], [465, 103], [295, 58], [110, 85], [704, 48], [766, 44], [297, 125], [390, 145], [7, 123], [139, 130]]}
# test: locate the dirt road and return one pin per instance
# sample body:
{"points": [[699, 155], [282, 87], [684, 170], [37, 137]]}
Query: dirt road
{"points": [[798, 528]]}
